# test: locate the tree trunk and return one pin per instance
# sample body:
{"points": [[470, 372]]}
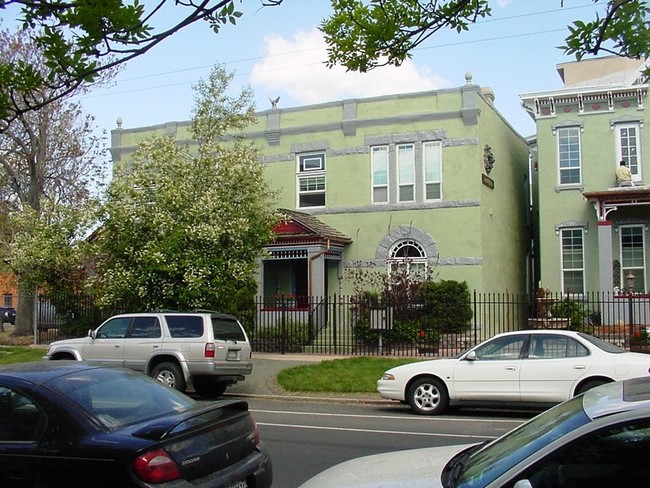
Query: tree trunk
{"points": [[24, 312]]}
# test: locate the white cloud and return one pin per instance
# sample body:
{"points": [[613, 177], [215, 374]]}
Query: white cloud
{"points": [[295, 68]]}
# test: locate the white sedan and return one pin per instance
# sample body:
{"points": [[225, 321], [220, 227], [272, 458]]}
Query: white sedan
{"points": [[537, 367]]}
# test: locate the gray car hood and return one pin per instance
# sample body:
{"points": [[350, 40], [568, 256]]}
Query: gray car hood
{"points": [[413, 468]]}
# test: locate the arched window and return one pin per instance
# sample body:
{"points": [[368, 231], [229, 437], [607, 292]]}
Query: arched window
{"points": [[408, 257]]}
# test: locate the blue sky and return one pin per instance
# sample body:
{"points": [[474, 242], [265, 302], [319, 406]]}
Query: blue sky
{"points": [[278, 51]]}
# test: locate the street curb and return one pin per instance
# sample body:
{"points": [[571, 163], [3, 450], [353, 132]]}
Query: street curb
{"points": [[302, 398]]}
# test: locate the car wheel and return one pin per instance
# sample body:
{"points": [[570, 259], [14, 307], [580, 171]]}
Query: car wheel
{"points": [[169, 374], [209, 388], [589, 385], [428, 396]]}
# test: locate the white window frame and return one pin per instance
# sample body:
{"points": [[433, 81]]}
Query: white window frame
{"points": [[374, 162], [565, 269], [406, 163], [310, 167], [420, 262], [626, 267], [560, 133], [432, 159], [631, 154]]}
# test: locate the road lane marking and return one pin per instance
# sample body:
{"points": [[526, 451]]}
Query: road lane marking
{"points": [[389, 417], [375, 431]]}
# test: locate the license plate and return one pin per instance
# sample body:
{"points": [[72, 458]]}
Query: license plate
{"points": [[241, 484], [234, 355]]}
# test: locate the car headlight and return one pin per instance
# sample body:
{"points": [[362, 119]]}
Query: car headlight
{"points": [[388, 376]]}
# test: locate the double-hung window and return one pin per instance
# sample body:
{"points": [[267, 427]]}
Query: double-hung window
{"points": [[633, 255], [628, 148], [432, 160], [569, 157], [379, 161], [311, 180], [406, 172], [573, 262]]}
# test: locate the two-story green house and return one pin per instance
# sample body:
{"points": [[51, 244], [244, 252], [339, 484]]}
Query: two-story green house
{"points": [[592, 230], [434, 180]]}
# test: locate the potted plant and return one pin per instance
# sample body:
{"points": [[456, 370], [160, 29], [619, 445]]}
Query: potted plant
{"points": [[428, 341]]}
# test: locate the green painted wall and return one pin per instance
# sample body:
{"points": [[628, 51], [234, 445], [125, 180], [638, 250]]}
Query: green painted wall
{"points": [[479, 233], [557, 206]]}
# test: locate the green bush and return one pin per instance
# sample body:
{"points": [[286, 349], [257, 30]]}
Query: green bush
{"points": [[295, 335], [447, 306], [572, 310]]}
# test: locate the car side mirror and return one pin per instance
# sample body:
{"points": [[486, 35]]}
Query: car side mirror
{"points": [[471, 356], [523, 484], [91, 333]]}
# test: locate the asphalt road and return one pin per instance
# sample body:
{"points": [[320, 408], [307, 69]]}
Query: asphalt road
{"points": [[308, 432], [307, 437]]}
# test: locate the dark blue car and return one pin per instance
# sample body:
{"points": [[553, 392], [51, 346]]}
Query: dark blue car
{"points": [[69, 424], [8, 315]]}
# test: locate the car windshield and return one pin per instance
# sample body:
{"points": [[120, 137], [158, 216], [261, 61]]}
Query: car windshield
{"points": [[117, 398], [485, 465], [605, 346]]}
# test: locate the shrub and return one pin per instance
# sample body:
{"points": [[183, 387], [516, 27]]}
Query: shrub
{"points": [[447, 306], [572, 310]]}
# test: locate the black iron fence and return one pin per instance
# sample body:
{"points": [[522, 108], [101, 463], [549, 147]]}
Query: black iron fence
{"points": [[345, 325]]}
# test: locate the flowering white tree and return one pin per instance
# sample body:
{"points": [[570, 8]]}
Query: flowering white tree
{"points": [[51, 165], [185, 227]]}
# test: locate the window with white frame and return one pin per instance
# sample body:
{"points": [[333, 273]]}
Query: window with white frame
{"points": [[569, 158], [406, 172], [379, 162], [628, 148], [311, 180], [573, 263], [432, 159], [632, 255], [408, 257]]}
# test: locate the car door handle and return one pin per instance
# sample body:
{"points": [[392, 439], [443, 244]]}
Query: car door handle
{"points": [[510, 368], [580, 366]]}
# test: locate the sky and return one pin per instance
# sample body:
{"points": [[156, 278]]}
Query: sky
{"points": [[279, 52]]}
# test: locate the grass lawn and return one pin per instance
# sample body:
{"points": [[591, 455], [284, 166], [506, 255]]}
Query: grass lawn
{"points": [[349, 375], [10, 355]]}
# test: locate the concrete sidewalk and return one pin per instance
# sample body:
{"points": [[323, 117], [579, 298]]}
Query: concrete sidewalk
{"points": [[262, 382]]}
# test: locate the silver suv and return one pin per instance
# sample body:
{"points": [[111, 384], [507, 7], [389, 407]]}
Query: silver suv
{"points": [[208, 350]]}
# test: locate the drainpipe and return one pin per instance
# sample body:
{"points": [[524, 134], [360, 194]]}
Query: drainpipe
{"points": [[309, 262]]}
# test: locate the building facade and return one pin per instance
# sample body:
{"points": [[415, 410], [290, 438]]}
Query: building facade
{"points": [[436, 182], [592, 231]]}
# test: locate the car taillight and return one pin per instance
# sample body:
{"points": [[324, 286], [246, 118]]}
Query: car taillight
{"points": [[156, 467], [209, 350], [254, 436]]}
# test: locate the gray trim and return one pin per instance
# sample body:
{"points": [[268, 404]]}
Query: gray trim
{"points": [[381, 263], [571, 224], [310, 147], [393, 207], [406, 232]]}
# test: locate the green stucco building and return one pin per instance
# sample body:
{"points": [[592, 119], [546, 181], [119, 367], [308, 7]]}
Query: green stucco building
{"points": [[592, 231], [434, 180]]}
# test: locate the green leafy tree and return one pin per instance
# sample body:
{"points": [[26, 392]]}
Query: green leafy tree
{"points": [[51, 166], [185, 227], [80, 39], [362, 35]]}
